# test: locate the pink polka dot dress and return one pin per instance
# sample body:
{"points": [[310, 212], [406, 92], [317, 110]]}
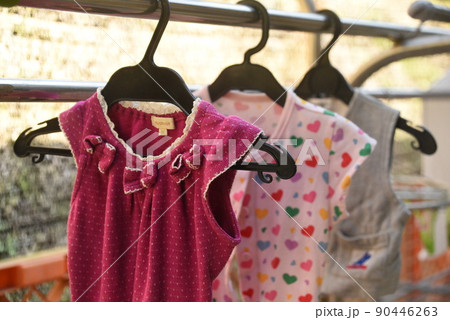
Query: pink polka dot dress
{"points": [[150, 216]]}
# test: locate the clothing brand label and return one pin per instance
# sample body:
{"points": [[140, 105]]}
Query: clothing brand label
{"points": [[163, 124]]}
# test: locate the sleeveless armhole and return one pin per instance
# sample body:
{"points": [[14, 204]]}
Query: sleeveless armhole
{"points": [[349, 153], [233, 133], [72, 125], [71, 122]]}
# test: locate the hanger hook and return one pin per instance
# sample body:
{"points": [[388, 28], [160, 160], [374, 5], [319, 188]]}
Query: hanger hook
{"points": [[264, 16], [424, 142], [337, 30], [37, 158], [160, 27]]}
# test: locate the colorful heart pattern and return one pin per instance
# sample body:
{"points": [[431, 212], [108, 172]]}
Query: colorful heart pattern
{"points": [[262, 277], [291, 244], [346, 160], [338, 136], [296, 177], [238, 197], [261, 213], [241, 106], [312, 162], [337, 211], [306, 265], [308, 231], [305, 298], [271, 295], [263, 245], [247, 232], [247, 264], [281, 256], [314, 127], [310, 197], [248, 292], [276, 229], [289, 279], [366, 150], [277, 195], [326, 177], [323, 214], [327, 143], [323, 246], [292, 212], [275, 262], [296, 141]]}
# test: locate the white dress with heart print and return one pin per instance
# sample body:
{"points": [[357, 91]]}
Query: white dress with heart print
{"points": [[285, 224]]}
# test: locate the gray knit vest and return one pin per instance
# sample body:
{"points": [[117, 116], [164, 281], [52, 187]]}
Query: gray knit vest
{"points": [[366, 245]]}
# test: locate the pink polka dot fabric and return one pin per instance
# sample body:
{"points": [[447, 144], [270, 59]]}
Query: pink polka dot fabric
{"points": [[152, 222]]}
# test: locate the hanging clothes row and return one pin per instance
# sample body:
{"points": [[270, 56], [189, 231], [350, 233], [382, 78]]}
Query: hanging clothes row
{"points": [[177, 223], [285, 226]]}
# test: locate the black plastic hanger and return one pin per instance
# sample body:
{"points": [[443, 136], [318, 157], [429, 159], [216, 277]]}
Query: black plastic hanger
{"points": [[249, 76], [132, 83], [284, 168], [324, 80], [142, 82], [23, 147], [425, 141], [148, 82]]}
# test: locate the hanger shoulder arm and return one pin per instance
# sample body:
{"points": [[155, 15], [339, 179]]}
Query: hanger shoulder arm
{"points": [[23, 148], [425, 140], [247, 76], [284, 168]]}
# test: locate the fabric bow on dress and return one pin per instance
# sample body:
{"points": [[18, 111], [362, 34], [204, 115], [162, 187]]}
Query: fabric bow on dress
{"points": [[100, 150], [138, 179], [186, 162]]}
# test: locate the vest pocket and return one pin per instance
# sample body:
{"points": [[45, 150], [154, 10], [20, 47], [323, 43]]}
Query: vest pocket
{"points": [[362, 255], [370, 259]]}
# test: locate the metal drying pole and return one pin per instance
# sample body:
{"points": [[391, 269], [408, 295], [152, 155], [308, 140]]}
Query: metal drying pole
{"points": [[235, 15], [34, 90], [25, 90]]}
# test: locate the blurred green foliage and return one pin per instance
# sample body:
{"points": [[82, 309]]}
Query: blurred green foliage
{"points": [[34, 202]]}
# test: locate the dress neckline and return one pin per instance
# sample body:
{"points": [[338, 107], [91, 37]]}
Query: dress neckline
{"points": [[252, 97], [157, 108]]}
